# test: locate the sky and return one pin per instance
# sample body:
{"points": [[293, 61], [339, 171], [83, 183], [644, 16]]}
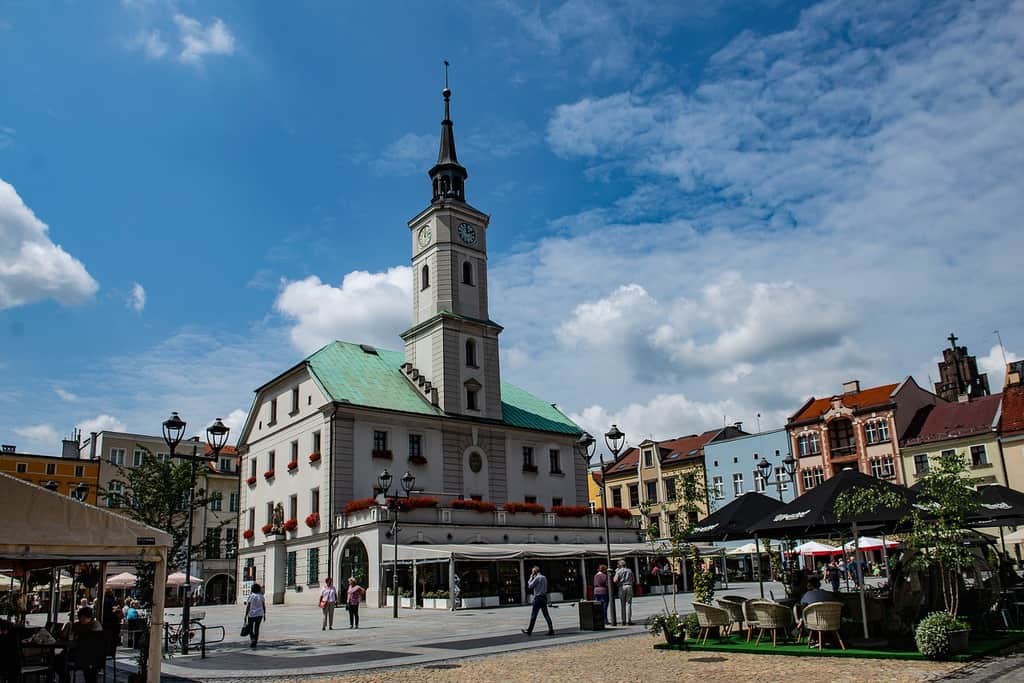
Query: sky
{"points": [[700, 212]]}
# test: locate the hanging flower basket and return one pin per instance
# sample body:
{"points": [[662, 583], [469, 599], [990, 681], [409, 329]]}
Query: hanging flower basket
{"points": [[418, 459], [248, 534], [269, 474], [251, 481], [293, 465], [313, 520], [266, 528], [291, 524], [314, 457]]}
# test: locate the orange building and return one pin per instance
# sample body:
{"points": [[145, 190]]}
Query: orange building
{"points": [[69, 476]]}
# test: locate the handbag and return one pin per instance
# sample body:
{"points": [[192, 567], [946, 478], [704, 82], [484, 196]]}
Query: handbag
{"points": [[246, 628]]}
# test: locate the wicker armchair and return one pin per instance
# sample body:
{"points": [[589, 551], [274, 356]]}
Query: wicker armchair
{"points": [[750, 618], [823, 617], [772, 616], [735, 610], [710, 617]]}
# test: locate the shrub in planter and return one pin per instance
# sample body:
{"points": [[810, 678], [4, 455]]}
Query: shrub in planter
{"points": [[669, 624], [478, 505], [621, 513], [937, 633], [266, 528], [691, 626], [251, 481], [293, 465], [313, 457], [291, 524], [313, 520], [571, 510], [248, 534], [535, 508], [359, 504]]}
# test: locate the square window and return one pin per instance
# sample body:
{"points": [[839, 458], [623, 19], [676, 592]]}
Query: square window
{"points": [[51, 468], [921, 463], [529, 499], [979, 457], [617, 497], [718, 487], [380, 441], [556, 502], [22, 468], [737, 484]]}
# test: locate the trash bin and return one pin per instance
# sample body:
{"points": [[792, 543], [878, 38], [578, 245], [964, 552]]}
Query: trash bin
{"points": [[591, 615]]}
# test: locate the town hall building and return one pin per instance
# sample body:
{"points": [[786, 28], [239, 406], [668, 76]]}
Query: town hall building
{"points": [[493, 464]]}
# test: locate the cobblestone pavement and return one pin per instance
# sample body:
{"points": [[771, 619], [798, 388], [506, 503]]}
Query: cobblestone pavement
{"points": [[1006, 668]]}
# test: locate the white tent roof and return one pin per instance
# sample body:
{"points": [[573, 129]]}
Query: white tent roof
{"points": [[40, 525], [518, 551], [745, 549], [870, 543], [814, 548]]}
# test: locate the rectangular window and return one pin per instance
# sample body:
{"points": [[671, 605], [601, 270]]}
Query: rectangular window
{"points": [[876, 468], [138, 456], [652, 523], [672, 519], [808, 479], [529, 499], [212, 543], [252, 467], [760, 481], [271, 457], [876, 431], [22, 468], [809, 444], [270, 512], [295, 400], [380, 441], [948, 452], [471, 403], [273, 413], [652, 492], [316, 442], [555, 458], [295, 451], [617, 497], [737, 484], [216, 500], [313, 565], [314, 500], [415, 445], [718, 487], [819, 476], [782, 478], [670, 489], [225, 465], [648, 457], [528, 463], [634, 495], [117, 456], [920, 463], [51, 468], [293, 507], [556, 502], [233, 502], [230, 542], [252, 519], [979, 457], [289, 576], [114, 494], [79, 470]]}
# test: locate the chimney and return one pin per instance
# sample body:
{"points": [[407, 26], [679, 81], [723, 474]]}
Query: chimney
{"points": [[92, 445], [738, 425], [851, 387], [69, 449], [7, 448]]}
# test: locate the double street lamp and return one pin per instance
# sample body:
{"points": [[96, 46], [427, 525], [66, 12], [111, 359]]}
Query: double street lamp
{"points": [[394, 503], [216, 439], [585, 447], [765, 466]]}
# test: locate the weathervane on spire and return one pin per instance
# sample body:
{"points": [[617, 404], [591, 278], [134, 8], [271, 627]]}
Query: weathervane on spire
{"points": [[446, 74]]}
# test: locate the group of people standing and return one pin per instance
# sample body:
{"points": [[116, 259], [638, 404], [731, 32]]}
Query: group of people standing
{"points": [[256, 607], [624, 580]]}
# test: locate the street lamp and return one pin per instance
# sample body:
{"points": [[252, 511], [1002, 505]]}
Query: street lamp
{"points": [[408, 483], [216, 438], [614, 439], [789, 463], [585, 447]]}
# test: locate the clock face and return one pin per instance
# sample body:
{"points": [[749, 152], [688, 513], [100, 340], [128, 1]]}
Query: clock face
{"points": [[424, 237], [467, 233]]}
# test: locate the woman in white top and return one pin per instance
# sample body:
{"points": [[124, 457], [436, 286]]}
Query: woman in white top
{"points": [[328, 601], [255, 613]]}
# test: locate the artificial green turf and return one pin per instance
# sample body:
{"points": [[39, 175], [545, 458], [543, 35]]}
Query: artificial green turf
{"points": [[977, 647]]}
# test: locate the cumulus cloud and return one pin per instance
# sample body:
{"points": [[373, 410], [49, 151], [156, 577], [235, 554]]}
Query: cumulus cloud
{"points": [[137, 298], [32, 267], [370, 308], [41, 436], [236, 420], [64, 394], [409, 154], [199, 41], [101, 423], [150, 42], [994, 363]]}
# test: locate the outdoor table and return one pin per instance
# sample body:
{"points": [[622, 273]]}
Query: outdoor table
{"points": [[65, 645]]}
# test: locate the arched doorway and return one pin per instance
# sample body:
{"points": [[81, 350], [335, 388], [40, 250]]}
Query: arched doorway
{"points": [[354, 562], [220, 590]]}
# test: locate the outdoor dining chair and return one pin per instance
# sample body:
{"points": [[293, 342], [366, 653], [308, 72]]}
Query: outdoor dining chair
{"points": [[750, 619], [90, 653], [774, 617], [823, 617], [710, 617], [735, 610]]}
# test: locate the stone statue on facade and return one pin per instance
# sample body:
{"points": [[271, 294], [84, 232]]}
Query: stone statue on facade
{"points": [[277, 521]]}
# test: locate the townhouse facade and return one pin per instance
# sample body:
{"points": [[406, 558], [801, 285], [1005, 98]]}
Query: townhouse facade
{"points": [[65, 474], [733, 467], [1011, 425]]}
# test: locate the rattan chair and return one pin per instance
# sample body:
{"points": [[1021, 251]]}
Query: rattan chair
{"points": [[735, 610], [772, 616], [823, 617], [710, 617], [750, 619]]}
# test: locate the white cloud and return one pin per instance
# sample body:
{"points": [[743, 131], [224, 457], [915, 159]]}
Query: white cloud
{"points": [[994, 364], [6, 137], [32, 267], [408, 154], [496, 139], [101, 423], [236, 420], [64, 394], [137, 299], [198, 41], [43, 438], [367, 308], [150, 42]]}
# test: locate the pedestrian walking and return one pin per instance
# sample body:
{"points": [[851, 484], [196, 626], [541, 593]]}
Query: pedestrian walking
{"points": [[601, 588], [832, 572], [625, 579], [255, 613], [328, 601], [353, 597], [538, 585]]}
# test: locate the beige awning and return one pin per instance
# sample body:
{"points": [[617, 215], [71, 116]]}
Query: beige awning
{"points": [[520, 551]]}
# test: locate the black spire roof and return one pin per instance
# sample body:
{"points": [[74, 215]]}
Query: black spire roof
{"points": [[448, 176]]}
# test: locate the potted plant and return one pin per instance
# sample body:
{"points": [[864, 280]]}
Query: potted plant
{"points": [[251, 481], [314, 457], [293, 465], [359, 504], [436, 600], [248, 534], [941, 635], [528, 508], [291, 524], [571, 510], [313, 520], [475, 505], [269, 474], [668, 624], [267, 528]]}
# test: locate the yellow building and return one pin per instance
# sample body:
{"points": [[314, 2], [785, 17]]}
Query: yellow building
{"points": [[69, 476]]}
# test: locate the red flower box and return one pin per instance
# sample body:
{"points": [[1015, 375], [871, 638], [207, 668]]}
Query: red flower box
{"points": [[313, 520], [359, 504], [407, 504], [622, 513], [382, 454], [478, 505], [266, 528], [529, 468], [313, 457], [418, 459], [571, 510], [247, 534], [523, 507], [269, 474], [291, 525], [293, 465], [251, 481]]}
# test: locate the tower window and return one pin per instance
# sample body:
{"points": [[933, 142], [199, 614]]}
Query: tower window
{"points": [[425, 277], [467, 273], [471, 400], [470, 353]]}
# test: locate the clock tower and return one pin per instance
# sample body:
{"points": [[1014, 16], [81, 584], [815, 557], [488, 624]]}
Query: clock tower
{"points": [[451, 350]]}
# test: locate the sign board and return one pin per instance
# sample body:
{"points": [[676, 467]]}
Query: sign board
{"points": [[145, 540]]}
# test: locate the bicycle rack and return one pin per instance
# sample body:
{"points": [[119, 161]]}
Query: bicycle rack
{"points": [[193, 628]]}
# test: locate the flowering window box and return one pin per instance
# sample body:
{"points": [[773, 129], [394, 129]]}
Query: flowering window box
{"points": [[418, 459], [313, 520], [251, 481], [293, 465], [571, 510], [266, 528], [359, 504], [529, 468], [269, 474], [535, 508], [248, 534], [475, 505], [382, 454], [314, 457], [291, 524]]}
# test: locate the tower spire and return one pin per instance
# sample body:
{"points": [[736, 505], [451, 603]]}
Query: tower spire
{"points": [[448, 176]]}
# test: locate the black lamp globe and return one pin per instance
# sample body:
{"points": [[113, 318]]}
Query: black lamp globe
{"points": [[408, 482], [765, 467], [614, 438], [384, 482], [789, 462], [174, 429], [217, 436], [585, 446]]}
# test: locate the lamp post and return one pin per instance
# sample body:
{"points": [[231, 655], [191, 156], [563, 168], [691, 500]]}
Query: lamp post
{"points": [[384, 486], [789, 463], [614, 440], [216, 438]]}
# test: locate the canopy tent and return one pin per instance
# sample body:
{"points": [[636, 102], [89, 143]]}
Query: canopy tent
{"points": [[177, 580], [869, 543], [122, 580], [521, 551], [815, 549], [1016, 537], [746, 549], [735, 519], [44, 530]]}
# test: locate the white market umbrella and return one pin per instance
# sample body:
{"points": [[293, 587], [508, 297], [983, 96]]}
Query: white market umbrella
{"points": [[814, 548], [748, 549], [1016, 537], [177, 580], [868, 543], [8, 583], [122, 580]]}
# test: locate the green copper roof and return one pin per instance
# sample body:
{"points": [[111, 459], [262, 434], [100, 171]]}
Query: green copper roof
{"points": [[347, 373]]}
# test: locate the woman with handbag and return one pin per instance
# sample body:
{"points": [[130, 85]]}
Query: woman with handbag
{"points": [[255, 613], [353, 598], [328, 600]]}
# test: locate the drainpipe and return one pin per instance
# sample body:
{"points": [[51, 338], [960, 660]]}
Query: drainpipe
{"points": [[330, 503]]}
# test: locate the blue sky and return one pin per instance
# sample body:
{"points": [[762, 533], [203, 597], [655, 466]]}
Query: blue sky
{"points": [[698, 214]]}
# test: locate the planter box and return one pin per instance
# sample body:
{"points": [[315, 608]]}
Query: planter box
{"points": [[524, 518], [471, 517], [958, 641], [405, 603], [436, 603], [485, 601]]}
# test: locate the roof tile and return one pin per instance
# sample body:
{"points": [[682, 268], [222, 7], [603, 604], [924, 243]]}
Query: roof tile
{"points": [[873, 396], [953, 420]]}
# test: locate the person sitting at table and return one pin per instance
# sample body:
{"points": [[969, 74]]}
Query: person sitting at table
{"points": [[133, 611], [815, 593], [86, 624]]}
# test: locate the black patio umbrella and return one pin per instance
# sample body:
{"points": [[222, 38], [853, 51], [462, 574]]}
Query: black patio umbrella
{"points": [[999, 504], [735, 519]]}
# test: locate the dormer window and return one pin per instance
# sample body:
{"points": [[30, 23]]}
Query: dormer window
{"points": [[467, 273], [470, 353], [425, 277]]}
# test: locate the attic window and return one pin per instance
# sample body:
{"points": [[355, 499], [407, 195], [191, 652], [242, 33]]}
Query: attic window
{"points": [[368, 349]]}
